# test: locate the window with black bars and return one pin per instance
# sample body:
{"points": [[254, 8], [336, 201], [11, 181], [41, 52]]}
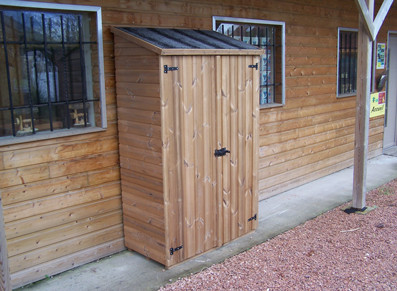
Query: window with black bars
{"points": [[268, 38], [48, 72], [347, 62]]}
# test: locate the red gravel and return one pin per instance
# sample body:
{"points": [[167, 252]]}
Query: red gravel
{"points": [[335, 251]]}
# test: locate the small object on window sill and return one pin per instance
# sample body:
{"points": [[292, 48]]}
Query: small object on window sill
{"points": [[25, 126], [78, 118]]}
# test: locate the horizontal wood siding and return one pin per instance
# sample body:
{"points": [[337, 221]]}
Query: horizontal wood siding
{"points": [[5, 280], [60, 197], [314, 124], [313, 134], [138, 100], [46, 185]]}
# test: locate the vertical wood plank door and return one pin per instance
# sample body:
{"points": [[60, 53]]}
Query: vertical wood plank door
{"points": [[208, 104], [238, 97], [188, 139]]}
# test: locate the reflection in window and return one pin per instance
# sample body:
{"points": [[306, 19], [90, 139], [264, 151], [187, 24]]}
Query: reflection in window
{"points": [[48, 72], [267, 37]]}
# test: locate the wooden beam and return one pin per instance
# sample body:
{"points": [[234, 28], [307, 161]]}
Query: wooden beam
{"points": [[362, 109], [5, 281], [380, 17], [366, 17], [372, 26]]}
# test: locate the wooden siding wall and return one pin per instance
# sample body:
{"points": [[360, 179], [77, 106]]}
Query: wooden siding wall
{"points": [[61, 203], [138, 98], [5, 280], [312, 135], [53, 189]]}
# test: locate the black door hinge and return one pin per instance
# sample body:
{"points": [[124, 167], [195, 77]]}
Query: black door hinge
{"points": [[221, 152], [253, 66], [172, 250], [252, 218], [166, 69]]}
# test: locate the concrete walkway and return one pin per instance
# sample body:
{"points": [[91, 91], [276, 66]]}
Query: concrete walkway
{"points": [[130, 271]]}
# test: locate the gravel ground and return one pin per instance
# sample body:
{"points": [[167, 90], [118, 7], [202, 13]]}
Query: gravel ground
{"points": [[335, 251]]}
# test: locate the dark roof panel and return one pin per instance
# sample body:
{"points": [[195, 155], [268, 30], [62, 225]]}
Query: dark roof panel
{"points": [[165, 38]]}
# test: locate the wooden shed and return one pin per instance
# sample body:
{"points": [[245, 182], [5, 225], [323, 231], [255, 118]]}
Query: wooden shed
{"points": [[187, 103]]}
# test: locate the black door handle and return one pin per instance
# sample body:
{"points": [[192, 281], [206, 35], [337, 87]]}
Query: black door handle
{"points": [[221, 152]]}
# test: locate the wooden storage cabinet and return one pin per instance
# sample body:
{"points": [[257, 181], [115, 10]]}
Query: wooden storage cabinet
{"points": [[176, 106]]}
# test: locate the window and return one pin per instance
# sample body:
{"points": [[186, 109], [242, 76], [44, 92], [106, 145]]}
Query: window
{"points": [[51, 68], [347, 62], [268, 35]]}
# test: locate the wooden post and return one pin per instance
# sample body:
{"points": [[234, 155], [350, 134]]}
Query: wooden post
{"points": [[368, 30], [362, 111], [5, 281]]}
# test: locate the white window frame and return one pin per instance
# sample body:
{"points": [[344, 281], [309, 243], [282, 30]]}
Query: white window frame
{"points": [[337, 64], [66, 132], [262, 22]]}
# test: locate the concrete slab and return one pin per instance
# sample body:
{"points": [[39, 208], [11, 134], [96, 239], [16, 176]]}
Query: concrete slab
{"points": [[130, 271], [391, 151]]}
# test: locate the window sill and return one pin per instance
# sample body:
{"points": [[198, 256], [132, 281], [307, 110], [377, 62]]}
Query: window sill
{"points": [[272, 105], [45, 135], [347, 95]]}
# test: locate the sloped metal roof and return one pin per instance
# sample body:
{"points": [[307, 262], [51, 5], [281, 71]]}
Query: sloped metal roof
{"points": [[170, 41]]}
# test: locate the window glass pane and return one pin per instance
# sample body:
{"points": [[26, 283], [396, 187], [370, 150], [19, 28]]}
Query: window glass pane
{"points": [[52, 30], [49, 67], [93, 93], [33, 27], [347, 75], [41, 74], [5, 123], [12, 25], [16, 72], [75, 60], [59, 116], [4, 99], [267, 37], [247, 33], [233, 30], [42, 118], [71, 26], [1, 28]]}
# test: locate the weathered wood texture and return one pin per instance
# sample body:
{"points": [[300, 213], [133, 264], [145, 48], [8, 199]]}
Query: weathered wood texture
{"points": [[310, 137]]}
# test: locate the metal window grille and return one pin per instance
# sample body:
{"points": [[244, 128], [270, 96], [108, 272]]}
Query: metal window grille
{"points": [[263, 36], [347, 74], [44, 74]]}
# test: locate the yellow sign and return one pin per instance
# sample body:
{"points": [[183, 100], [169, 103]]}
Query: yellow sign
{"points": [[378, 104]]}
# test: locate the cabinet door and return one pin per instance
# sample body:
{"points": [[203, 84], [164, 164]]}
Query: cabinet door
{"points": [[237, 111], [189, 129], [207, 105]]}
